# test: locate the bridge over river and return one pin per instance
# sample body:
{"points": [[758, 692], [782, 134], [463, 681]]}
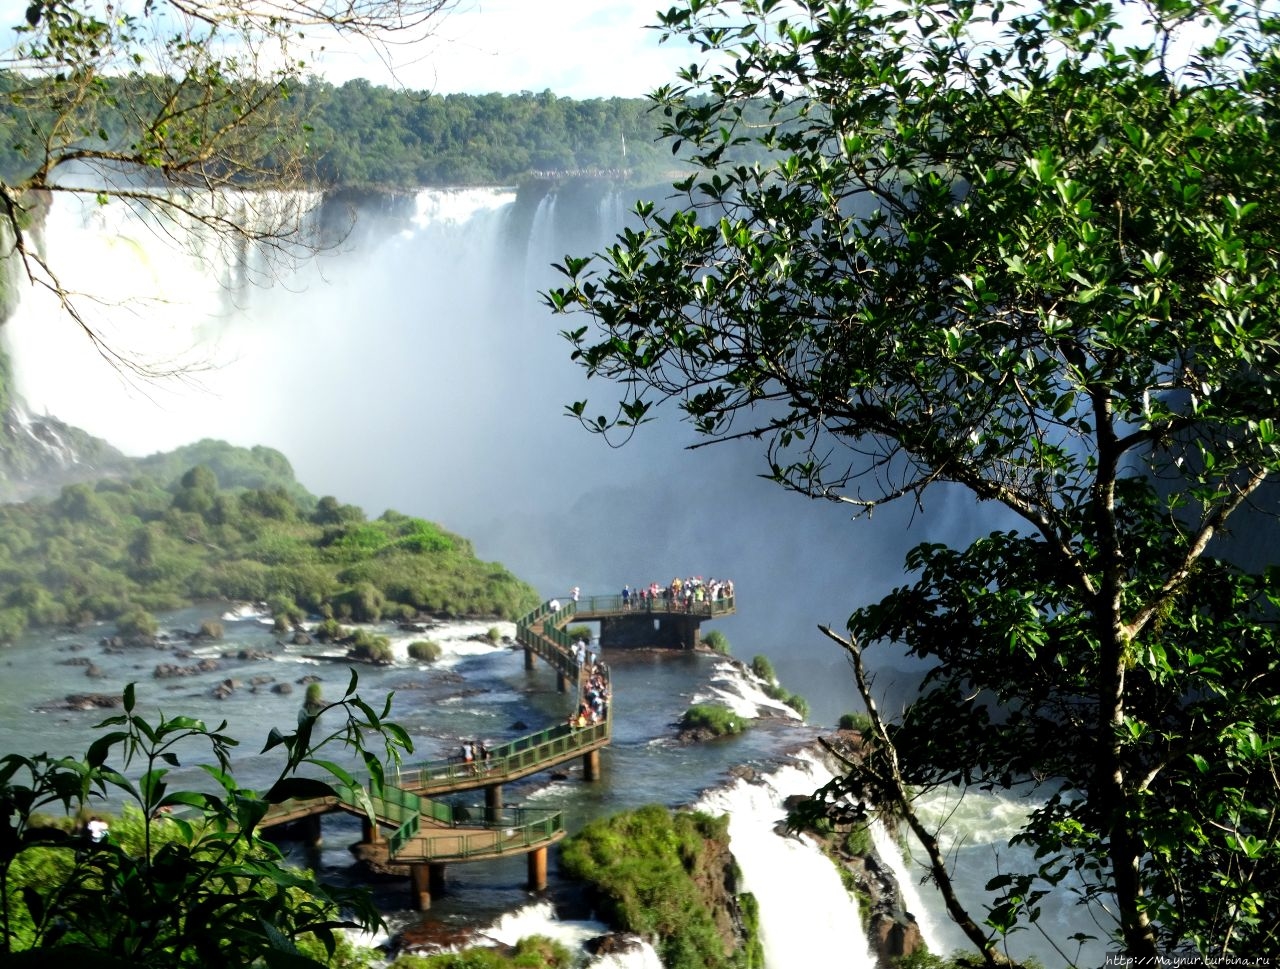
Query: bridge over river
{"points": [[401, 822]]}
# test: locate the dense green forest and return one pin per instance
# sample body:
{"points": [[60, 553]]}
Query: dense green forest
{"points": [[363, 136], [211, 521]]}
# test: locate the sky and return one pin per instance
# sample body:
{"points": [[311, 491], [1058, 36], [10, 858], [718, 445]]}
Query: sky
{"points": [[575, 48]]}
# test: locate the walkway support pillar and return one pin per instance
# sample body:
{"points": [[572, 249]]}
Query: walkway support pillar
{"points": [[370, 833], [312, 833], [426, 879], [420, 886], [591, 765], [493, 803], [538, 869], [562, 683], [528, 658]]}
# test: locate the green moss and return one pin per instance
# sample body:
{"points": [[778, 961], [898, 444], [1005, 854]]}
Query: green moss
{"points": [[652, 873]]}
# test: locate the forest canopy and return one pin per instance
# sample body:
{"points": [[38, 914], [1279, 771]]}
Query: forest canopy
{"points": [[235, 525], [364, 136]]}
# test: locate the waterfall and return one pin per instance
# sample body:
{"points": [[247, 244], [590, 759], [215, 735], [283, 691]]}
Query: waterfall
{"points": [[807, 916]]}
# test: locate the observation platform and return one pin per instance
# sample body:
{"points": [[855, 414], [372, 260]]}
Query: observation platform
{"points": [[634, 622]]}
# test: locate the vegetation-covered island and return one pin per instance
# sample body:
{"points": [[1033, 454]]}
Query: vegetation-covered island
{"points": [[211, 521]]}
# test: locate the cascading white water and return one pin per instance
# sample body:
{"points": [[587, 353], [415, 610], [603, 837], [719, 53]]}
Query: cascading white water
{"points": [[807, 918], [975, 839]]}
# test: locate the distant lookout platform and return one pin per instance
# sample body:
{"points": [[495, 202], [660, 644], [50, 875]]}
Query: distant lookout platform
{"points": [[662, 622]]}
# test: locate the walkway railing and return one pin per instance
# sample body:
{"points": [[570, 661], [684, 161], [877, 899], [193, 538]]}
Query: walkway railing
{"points": [[505, 760], [660, 606], [516, 830], [428, 830]]}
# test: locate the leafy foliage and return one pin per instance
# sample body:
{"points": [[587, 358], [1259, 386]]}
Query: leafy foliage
{"points": [[193, 887], [1030, 253], [716, 640], [121, 549]]}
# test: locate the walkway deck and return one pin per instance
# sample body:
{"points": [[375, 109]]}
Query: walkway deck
{"points": [[425, 833]]}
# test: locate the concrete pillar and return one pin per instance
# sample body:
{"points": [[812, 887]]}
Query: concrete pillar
{"points": [[538, 869], [528, 658], [591, 765], [419, 886], [691, 634], [493, 803], [562, 683], [426, 879], [312, 833], [370, 833]]}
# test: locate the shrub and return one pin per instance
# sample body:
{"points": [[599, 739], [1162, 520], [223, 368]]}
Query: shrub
{"points": [[211, 629], [717, 641], [720, 721], [799, 704], [762, 668], [315, 699], [495, 635], [363, 603], [137, 623], [285, 612], [330, 631], [370, 648], [855, 721], [425, 650]]}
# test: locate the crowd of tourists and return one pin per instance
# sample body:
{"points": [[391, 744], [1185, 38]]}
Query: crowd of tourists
{"points": [[593, 705], [679, 594], [476, 755]]}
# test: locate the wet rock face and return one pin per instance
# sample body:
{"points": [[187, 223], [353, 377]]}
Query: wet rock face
{"points": [[615, 943], [85, 701]]}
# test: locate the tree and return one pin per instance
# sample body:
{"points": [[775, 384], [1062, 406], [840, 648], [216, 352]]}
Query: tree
{"points": [[1029, 252], [177, 109], [185, 880]]}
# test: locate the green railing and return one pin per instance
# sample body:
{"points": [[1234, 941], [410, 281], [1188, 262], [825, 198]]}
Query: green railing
{"points": [[515, 830], [658, 607], [551, 643], [513, 758]]}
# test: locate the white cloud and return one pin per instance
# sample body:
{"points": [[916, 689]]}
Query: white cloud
{"points": [[573, 48]]}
